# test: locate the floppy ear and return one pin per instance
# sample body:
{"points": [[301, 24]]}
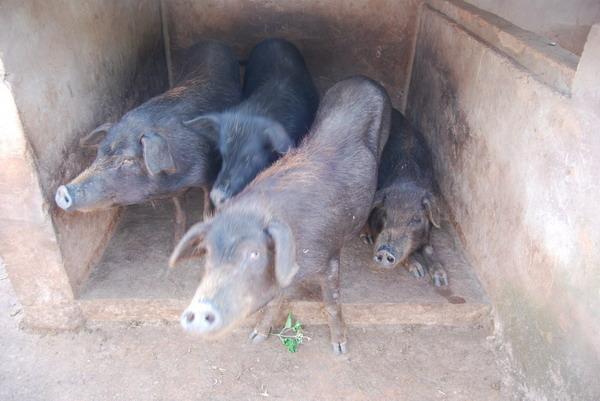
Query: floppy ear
{"points": [[157, 156], [191, 243], [206, 124], [285, 252], [93, 139], [278, 138], [432, 209]]}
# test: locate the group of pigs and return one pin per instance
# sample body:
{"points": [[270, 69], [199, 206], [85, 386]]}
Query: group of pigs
{"points": [[288, 180]]}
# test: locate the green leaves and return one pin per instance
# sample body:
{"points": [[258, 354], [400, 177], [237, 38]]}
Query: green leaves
{"points": [[291, 344], [291, 335]]}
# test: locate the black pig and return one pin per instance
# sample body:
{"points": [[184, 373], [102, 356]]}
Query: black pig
{"points": [[280, 101], [290, 223], [404, 208], [149, 153]]}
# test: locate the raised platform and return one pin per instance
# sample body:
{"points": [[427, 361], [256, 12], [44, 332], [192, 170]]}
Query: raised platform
{"points": [[132, 281]]}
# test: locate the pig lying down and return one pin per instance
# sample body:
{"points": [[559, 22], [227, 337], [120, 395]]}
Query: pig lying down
{"points": [[280, 101], [405, 209], [149, 153], [290, 224]]}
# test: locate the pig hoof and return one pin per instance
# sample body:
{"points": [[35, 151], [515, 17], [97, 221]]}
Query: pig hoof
{"points": [[416, 269], [340, 348], [439, 277], [256, 337], [367, 239]]}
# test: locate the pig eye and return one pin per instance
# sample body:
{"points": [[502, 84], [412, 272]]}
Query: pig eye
{"points": [[254, 255]]}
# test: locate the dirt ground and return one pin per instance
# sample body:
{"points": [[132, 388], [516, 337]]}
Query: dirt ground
{"points": [[160, 362]]}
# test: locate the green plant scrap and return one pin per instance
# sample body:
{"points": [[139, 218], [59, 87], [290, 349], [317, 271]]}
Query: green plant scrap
{"points": [[291, 335]]}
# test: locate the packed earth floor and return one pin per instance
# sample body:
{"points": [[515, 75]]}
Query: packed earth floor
{"points": [[159, 362]]}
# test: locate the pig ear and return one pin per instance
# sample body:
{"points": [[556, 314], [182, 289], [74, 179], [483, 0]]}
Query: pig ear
{"points": [[278, 138], [157, 156], [206, 123], [285, 252], [192, 242], [93, 139], [432, 209]]}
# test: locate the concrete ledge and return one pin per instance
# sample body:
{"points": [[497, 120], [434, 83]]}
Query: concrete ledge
{"points": [[309, 312], [132, 282], [547, 62], [65, 316]]}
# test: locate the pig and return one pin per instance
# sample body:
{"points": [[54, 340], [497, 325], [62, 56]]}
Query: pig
{"points": [[149, 153], [277, 110], [288, 226], [405, 209]]}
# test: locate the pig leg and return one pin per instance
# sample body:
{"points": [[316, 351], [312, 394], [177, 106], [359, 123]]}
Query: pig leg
{"points": [[206, 204], [416, 265], [263, 328], [438, 274], [372, 227], [330, 290], [366, 235], [180, 217]]}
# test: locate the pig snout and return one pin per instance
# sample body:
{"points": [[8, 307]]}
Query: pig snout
{"points": [[72, 197], [201, 318], [83, 196], [385, 257], [63, 197]]}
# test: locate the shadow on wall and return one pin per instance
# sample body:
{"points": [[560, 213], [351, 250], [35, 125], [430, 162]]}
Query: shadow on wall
{"points": [[334, 38]]}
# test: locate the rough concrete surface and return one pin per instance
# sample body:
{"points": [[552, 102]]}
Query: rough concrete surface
{"points": [[338, 38], [27, 240], [548, 63], [518, 164], [564, 22], [70, 66], [159, 362]]}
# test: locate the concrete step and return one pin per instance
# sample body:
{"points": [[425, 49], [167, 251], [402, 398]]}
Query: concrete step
{"points": [[132, 282]]}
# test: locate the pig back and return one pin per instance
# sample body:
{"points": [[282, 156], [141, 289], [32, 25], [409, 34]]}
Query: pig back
{"points": [[274, 59], [354, 111], [206, 79], [206, 59], [406, 156], [278, 85], [323, 189]]}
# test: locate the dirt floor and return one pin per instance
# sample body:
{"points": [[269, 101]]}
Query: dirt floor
{"points": [[160, 362]]}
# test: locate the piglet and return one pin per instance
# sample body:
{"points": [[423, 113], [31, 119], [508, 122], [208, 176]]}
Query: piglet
{"points": [[405, 209], [280, 101]]}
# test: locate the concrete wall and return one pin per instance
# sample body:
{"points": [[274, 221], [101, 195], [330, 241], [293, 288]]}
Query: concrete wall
{"points": [[338, 38], [564, 22], [70, 66], [518, 163]]}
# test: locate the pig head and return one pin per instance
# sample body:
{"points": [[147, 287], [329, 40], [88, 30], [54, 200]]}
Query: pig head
{"points": [[401, 220], [128, 169], [249, 259], [248, 145]]}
